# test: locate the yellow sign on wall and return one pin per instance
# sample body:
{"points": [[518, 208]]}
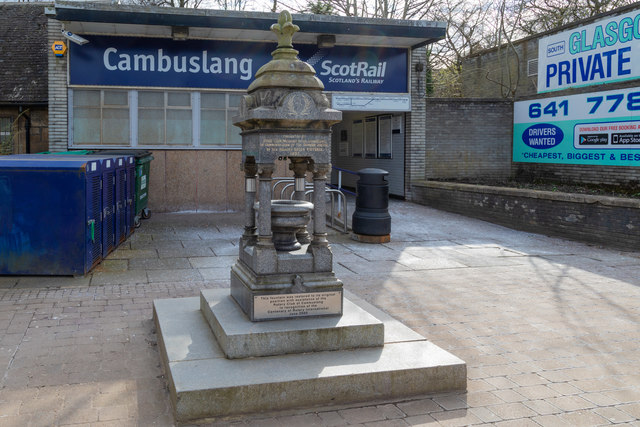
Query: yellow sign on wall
{"points": [[59, 48]]}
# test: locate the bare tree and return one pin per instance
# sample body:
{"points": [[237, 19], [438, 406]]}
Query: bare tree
{"points": [[230, 4], [389, 9], [195, 4], [466, 34], [518, 18], [545, 15], [170, 3], [508, 18]]}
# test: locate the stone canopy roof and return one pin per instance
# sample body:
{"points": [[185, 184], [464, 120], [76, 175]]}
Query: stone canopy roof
{"points": [[23, 54]]}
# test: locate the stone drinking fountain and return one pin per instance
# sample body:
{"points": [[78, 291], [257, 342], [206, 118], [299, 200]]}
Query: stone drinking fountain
{"points": [[285, 114], [284, 336]]}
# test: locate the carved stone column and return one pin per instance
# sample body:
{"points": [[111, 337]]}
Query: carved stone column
{"points": [[265, 172], [249, 237], [319, 247], [299, 166], [320, 172]]}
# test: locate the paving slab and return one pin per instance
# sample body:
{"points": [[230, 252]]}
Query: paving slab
{"points": [[568, 313], [171, 275], [159, 264], [120, 277]]}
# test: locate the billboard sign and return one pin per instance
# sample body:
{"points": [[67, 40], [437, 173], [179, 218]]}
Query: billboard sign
{"points": [[225, 64], [602, 52], [599, 128]]}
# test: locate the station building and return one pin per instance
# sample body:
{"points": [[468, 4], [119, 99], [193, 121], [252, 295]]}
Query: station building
{"points": [[171, 80]]}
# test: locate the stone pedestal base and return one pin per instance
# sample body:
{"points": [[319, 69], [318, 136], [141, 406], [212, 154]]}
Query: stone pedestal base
{"points": [[239, 338], [205, 384], [285, 295]]}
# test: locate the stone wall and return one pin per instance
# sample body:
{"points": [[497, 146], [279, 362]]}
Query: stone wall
{"points": [[609, 221], [468, 138]]}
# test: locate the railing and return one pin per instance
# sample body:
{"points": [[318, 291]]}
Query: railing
{"points": [[339, 187], [341, 197], [289, 181], [340, 170], [341, 212]]}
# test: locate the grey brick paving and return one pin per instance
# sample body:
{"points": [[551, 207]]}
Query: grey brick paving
{"points": [[549, 328]]}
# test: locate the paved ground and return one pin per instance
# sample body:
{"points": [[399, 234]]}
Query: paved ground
{"points": [[550, 329]]}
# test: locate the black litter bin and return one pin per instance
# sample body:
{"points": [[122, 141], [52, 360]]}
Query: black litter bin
{"points": [[143, 165], [371, 217]]}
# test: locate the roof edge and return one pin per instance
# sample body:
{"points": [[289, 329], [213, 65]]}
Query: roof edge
{"points": [[426, 31]]}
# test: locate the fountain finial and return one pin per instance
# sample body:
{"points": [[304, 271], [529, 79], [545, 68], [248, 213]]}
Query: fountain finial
{"points": [[285, 29], [285, 70]]}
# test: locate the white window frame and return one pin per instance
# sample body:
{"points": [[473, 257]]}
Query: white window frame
{"points": [[102, 106], [134, 142]]}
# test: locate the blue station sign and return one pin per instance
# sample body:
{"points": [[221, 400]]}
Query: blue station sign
{"points": [[223, 64]]}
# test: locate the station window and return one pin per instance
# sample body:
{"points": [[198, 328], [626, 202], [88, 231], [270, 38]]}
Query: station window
{"points": [[216, 114], [100, 117], [165, 118], [154, 118]]}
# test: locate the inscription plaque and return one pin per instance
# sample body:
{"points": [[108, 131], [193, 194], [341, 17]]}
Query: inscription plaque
{"points": [[295, 145], [268, 148], [282, 306]]}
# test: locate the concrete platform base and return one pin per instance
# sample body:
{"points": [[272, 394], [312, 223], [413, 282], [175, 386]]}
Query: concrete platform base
{"points": [[203, 383]]}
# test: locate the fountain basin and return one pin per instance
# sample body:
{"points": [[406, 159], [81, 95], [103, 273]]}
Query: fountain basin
{"points": [[287, 218]]}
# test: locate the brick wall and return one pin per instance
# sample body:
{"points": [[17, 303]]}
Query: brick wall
{"points": [[467, 138], [625, 176], [613, 222], [415, 124], [58, 117], [473, 138]]}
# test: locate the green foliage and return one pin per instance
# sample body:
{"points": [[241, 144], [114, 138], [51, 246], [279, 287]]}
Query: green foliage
{"points": [[446, 83]]}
